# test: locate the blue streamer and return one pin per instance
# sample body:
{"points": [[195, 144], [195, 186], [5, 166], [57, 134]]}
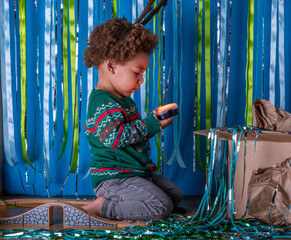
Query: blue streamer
{"points": [[59, 73], [32, 83], [177, 87], [263, 48], [89, 70], [258, 76], [107, 9], [179, 157], [8, 119]]}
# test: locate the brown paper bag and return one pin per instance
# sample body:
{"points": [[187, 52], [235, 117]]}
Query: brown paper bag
{"points": [[270, 194], [265, 115]]}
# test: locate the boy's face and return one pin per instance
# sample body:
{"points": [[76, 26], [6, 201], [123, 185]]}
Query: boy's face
{"points": [[129, 76]]}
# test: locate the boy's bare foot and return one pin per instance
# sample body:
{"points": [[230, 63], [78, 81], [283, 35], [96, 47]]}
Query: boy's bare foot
{"points": [[95, 206]]}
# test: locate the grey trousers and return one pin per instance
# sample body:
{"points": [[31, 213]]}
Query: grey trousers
{"points": [[138, 199]]}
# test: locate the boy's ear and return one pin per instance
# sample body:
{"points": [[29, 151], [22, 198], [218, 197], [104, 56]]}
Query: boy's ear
{"points": [[111, 66]]}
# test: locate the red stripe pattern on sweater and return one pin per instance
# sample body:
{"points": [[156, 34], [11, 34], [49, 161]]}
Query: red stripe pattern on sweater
{"points": [[116, 127]]}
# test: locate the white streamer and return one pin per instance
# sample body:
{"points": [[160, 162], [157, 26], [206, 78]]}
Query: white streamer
{"points": [[223, 62], [281, 55], [53, 68], [46, 89], [90, 70], [140, 9], [273, 47]]}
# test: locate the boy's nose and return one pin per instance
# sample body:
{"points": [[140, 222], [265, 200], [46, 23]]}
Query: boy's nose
{"points": [[140, 80]]}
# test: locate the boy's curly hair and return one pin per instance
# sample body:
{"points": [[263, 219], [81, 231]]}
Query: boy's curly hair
{"points": [[119, 40]]}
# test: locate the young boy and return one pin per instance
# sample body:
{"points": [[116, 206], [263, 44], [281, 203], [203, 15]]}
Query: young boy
{"points": [[122, 173]]}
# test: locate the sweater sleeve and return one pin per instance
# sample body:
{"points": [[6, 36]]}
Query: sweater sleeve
{"points": [[152, 124], [114, 128]]}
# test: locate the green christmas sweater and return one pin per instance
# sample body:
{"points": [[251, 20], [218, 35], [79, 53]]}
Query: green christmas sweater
{"points": [[118, 137]]}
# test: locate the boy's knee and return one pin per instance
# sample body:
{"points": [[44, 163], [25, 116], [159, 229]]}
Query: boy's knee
{"points": [[163, 208]]}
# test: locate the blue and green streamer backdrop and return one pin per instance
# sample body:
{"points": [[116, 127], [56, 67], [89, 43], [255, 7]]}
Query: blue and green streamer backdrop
{"points": [[219, 56]]}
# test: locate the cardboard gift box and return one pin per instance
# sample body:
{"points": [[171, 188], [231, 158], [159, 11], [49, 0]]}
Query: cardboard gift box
{"points": [[272, 147]]}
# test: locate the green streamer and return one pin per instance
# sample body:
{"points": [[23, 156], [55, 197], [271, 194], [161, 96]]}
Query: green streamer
{"points": [[114, 8], [69, 18], [65, 75], [207, 65], [207, 69], [249, 65], [22, 32], [198, 87], [74, 87]]}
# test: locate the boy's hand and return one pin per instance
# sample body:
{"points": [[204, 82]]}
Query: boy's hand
{"points": [[164, 123]]}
